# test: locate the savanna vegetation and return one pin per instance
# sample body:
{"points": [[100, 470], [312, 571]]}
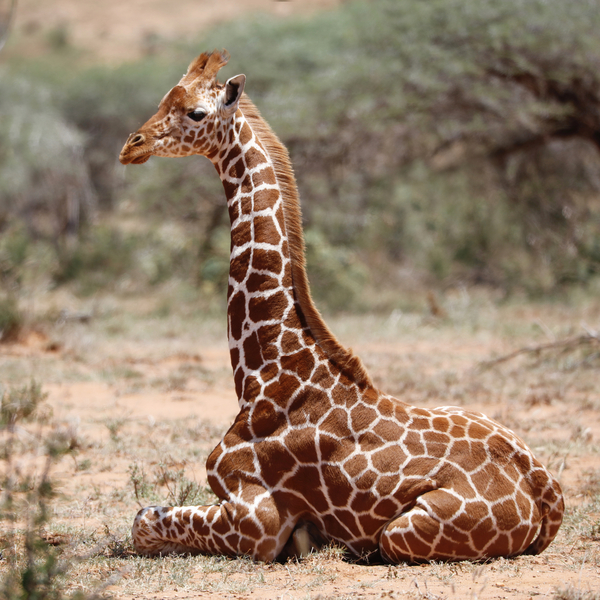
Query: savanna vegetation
{"points": [[439, 144]]}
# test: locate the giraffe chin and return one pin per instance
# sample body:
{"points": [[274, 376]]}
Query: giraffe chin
{"points": [[140, 160]]}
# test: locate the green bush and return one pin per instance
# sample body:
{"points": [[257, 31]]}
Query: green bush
{"points": [[458, 138]]}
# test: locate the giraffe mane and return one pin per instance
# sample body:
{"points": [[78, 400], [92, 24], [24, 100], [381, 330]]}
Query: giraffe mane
{"points": [[350, 364]]}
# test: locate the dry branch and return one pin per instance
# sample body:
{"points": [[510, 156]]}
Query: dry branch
{"points": [[590, 338]]}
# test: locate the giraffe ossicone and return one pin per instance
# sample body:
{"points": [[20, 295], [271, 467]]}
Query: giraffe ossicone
{"points": [[317, 453]]}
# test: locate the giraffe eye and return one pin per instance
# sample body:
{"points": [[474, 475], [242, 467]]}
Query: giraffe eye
{"points": [[196, 115]]}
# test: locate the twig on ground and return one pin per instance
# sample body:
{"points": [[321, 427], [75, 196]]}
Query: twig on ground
{"points": [[590, 338]]}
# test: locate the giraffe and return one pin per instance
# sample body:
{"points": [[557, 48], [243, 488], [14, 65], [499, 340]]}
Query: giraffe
{"points": [[317, 453]]}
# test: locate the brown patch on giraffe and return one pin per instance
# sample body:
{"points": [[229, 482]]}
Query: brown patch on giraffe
{"points": [[267, 308], [265, 231], [250, 529], [290, 342], [230, 157], [245, 134], [261, 282], [242, 234], [421, 424], [322, 377], [437, 443], [339, 488], [417, 546], [506, 514], [267, 337], [425, 526], [267, 547], [521, 537], [469, 455], [233, 540], [386, 484], [357, 464], [230, 189], [386, 507], [247, 186], [336, 422], [367, 480], [386, 408], [332, 450], [440, 424], [269, 372], [266, 176], [414, 445], [254, 158], [267, 260], [500, 546], [239, 266], [309, 405], [264, 419], [252, 388], [302, 363], [491, 483], [386, 461], [420, 466], [307, 478], [303, 448], [344, 396], [348, 519], [234, 211], [478, 431], [475, 512], [238, 169], [238, 304], [443, 504], [388, 430], [238, 379], [282, 389], [361, 417], [200, 526], [246, 204], [275, 461], [265, 198], [252, 352], [363, 502]]}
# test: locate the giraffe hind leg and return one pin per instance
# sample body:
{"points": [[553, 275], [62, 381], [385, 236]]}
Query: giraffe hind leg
{"points": [[440, 526]]}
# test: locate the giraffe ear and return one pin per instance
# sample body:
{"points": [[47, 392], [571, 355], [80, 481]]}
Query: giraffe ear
{"points": [[233, 92]]}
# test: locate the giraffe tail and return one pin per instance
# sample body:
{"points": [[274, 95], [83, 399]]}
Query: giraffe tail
{"points": [[552, 508]]}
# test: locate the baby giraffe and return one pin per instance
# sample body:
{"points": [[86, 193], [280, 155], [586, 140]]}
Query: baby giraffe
{"points": [[317, 453]]}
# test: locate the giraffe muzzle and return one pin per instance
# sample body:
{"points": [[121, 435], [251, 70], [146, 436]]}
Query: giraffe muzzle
{"points": [[131, 150]]}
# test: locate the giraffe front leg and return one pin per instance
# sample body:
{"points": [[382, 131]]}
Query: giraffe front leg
{"points": [[226, 528], [443, 526]]}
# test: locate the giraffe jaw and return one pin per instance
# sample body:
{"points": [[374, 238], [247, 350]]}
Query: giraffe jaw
{"points": [[140, 160], [127, 158]]}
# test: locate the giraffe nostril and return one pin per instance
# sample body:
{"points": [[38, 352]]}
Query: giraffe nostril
{"points": [[137, 140]]}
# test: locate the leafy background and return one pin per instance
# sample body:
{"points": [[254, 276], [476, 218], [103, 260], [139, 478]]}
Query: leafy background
{"points": [[436, 144]]}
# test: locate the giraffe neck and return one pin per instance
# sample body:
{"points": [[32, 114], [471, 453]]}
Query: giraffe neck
{"points": [[270, 311]]}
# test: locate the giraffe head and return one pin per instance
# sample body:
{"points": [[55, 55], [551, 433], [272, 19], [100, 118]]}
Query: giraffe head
{"points": [[192, 117]]}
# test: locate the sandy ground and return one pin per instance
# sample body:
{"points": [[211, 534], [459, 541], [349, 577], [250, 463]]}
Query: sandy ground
{"points": [[138, 392]]}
